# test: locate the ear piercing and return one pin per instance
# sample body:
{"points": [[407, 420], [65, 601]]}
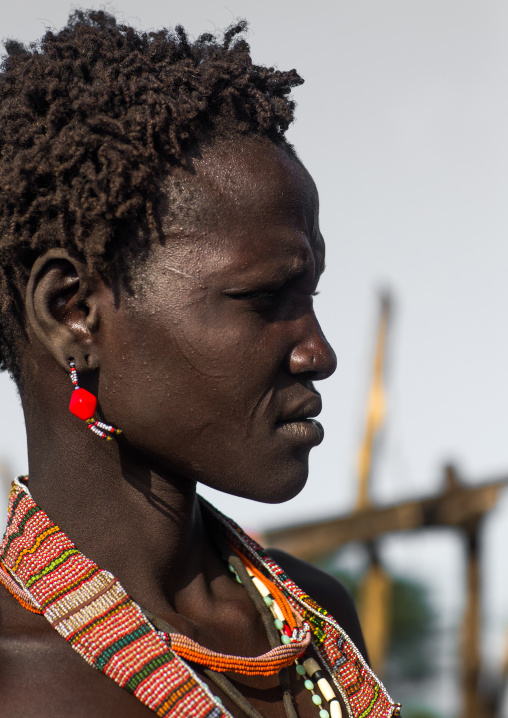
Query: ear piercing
{"points": [[83, 404]]}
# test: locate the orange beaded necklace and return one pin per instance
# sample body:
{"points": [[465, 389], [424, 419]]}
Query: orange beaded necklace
{"points": [[269, 663]]}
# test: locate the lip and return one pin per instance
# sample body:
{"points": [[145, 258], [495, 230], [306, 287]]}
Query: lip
{"points": [[305, 409], [298, 421], [304, 431]]}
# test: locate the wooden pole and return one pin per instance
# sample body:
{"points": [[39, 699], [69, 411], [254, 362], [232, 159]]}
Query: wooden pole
{"points": [[376, 586], [473, 707], [376, 410], [470, 629], [374, 602]]}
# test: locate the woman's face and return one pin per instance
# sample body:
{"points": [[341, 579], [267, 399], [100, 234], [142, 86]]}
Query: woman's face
{"points": [[209, 367]]}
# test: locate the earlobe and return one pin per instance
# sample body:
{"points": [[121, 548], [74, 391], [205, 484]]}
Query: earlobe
{"points": [[59, 309]]}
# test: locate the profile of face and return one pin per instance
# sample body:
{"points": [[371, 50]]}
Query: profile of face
{"points": [[209, 366]]}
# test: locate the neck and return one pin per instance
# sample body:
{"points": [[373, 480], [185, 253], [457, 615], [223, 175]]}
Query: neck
{"points": [[144, 526]]}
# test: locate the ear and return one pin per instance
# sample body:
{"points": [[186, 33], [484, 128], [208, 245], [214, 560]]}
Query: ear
{"points": [[61, 308]]}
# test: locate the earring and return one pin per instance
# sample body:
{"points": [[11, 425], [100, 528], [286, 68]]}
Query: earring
{"points": [[83, 404]]}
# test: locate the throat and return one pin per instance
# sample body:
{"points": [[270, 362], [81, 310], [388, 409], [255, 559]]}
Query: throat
{"points": [[141, 527]]}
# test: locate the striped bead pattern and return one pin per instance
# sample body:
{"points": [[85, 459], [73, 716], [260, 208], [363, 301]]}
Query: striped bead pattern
{"points": [[92, 611]]}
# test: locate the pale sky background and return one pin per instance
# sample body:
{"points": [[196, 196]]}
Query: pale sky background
{"points": [[403, 122]]}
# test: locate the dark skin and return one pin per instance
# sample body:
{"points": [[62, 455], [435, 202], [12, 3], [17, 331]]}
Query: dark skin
{"points": [[208, 368]]}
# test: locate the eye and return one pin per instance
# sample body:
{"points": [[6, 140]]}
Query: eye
{"points": [[258, 294], [263, 298], [279, 298]]}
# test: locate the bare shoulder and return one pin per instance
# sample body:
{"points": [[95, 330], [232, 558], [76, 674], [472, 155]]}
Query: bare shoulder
{"points": [[328, 591]]}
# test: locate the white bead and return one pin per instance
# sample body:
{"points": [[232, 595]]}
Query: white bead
{"points": [[335, 709], [260, 586], [277, 611], [311, 666], [326, 689]]}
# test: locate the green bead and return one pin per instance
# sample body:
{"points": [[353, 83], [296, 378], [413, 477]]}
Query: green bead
{"points": [[218, 698], [300, 670], [309, 685], [239, 580], [316, 699], [323, 713], [278, 624], [268, 600], [232, 571], [285, 639]]}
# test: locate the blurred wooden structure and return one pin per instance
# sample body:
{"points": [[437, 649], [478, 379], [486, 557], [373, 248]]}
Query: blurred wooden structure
{"points": [[457, 506]]}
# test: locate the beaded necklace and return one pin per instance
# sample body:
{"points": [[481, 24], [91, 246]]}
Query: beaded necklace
{"points": [[43, 569], [305, 665], [280, 625]]}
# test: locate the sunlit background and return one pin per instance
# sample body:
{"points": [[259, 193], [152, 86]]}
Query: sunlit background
{"points": [[403, 122]]}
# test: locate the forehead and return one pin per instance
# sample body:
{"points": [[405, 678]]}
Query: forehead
{"points": [[249, 175], [254, 196]]}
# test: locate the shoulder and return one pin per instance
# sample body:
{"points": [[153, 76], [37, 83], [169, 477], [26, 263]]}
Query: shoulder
{"points": [[328, 591]]}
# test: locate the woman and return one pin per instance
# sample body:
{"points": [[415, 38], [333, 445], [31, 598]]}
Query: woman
{"points": [[160, 247]]}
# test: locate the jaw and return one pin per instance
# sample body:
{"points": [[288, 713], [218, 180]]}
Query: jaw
{"points": [[272, 480]]}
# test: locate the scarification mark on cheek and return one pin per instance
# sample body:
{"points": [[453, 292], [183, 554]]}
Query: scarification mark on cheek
{"points": [[192, 355], [182, 273]]}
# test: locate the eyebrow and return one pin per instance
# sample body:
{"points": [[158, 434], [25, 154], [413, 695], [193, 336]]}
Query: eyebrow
{"points": [[288, 265], [296, 271]]}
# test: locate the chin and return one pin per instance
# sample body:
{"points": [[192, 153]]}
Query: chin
{"points": [[272, 486]]}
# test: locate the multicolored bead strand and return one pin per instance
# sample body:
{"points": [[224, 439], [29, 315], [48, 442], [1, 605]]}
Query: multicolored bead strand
{"points": [[362, 694], [305, 666], [278, 621], [83, 404], [312, 669], [294, 642], [237, 577]]}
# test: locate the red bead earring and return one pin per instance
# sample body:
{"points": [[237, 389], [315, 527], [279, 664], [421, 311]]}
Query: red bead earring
{"points": [[83, 405]]}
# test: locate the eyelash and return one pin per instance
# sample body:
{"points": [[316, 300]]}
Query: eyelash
{"points": [[263, 294], [257, 294]]}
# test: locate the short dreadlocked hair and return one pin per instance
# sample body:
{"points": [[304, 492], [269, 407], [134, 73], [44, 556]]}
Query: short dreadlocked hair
{"points": [[92, 118]]}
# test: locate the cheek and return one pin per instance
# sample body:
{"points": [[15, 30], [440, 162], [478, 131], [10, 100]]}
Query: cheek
{"points": [[202, 405], [191, 383]]}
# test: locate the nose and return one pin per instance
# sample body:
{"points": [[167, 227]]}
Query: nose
{"points": [[312, 353]]}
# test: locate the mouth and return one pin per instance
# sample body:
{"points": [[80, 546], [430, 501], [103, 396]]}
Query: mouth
{"points": [[299, 422]]}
